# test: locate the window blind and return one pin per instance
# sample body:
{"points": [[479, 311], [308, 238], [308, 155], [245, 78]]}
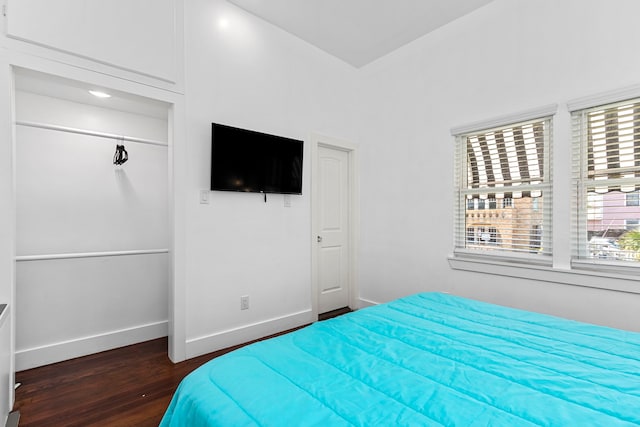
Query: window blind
{"points": [[503, 203], [506, 158], [606, 171], [613, 149]]}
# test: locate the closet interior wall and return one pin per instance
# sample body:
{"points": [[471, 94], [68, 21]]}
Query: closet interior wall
{"points": [[92, 237]]}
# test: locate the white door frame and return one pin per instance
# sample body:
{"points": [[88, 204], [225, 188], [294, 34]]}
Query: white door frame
{"points": [[177, 171], [318, 140]]}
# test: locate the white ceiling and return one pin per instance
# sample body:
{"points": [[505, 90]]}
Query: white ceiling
{"points": [[359, 31], [71, 90]]}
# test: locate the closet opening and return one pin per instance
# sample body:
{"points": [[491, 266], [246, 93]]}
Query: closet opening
{"points": [[92, 219]]}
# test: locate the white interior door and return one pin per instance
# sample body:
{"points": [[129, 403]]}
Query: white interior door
{"points": [[333, 229]]}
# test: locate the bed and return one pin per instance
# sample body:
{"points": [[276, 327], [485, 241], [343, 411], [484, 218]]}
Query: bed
{"points": [[429, 359]]}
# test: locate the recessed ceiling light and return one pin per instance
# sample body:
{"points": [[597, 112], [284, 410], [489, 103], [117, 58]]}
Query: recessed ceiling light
{"points": [[99, 94]]}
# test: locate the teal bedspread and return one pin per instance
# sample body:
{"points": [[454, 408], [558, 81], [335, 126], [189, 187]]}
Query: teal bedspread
{"points": [[426, 360]]}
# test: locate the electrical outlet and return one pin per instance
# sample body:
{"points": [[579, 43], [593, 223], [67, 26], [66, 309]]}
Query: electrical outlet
{"points": [[244, 302]]}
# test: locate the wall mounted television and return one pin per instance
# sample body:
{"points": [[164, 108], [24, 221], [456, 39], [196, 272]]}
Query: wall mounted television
{"points": [[249, 161]]}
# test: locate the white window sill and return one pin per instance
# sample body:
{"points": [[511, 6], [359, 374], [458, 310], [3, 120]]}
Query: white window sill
{"points": [[583, 273]]}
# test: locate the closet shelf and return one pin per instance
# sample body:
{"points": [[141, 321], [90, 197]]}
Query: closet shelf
{"points": [[90, 133], [90, 254]]}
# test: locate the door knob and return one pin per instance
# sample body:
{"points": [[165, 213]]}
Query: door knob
{"points": [[319, 239]]}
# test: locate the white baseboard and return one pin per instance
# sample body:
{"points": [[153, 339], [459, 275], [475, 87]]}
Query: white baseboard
{"points": [[225, 339], [366, 303], [57, 352]]}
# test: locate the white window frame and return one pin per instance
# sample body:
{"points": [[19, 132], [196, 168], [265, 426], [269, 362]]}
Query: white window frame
{"points": [[578, 109], [460, 169]]}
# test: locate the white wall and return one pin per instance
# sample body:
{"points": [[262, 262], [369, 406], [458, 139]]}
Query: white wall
{"points": [[507, 57], [107, 34], [7, 231], [244, 72], [70, 198]]}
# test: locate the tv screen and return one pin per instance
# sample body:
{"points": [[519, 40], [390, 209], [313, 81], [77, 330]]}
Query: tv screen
{"points": [[249, 161]]}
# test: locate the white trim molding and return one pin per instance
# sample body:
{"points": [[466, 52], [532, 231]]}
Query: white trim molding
{"points": [[508, 119], [65, 350], [364, 303], [603, 98], [246, 333]]}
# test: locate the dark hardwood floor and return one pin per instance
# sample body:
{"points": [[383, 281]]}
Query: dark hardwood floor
{"points": [[128, 386], [334, 313]]}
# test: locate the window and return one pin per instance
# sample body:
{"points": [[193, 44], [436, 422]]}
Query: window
{"points": [[471, 235], [483, 236], [631, 224], [508, 167], [535, 239], [606, 152], [493, 235]]}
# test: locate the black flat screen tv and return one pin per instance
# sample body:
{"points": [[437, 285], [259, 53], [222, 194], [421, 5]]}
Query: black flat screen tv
{"points": [[249, 161]]}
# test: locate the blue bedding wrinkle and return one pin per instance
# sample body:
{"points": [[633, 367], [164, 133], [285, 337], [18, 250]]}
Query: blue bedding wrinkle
{"points": [[425, 360], [573, 361], [513, 318], [418, 391], [487, 375]]}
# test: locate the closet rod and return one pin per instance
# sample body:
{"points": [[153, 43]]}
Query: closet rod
{"points": [[89, 254], [91, 133]]}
